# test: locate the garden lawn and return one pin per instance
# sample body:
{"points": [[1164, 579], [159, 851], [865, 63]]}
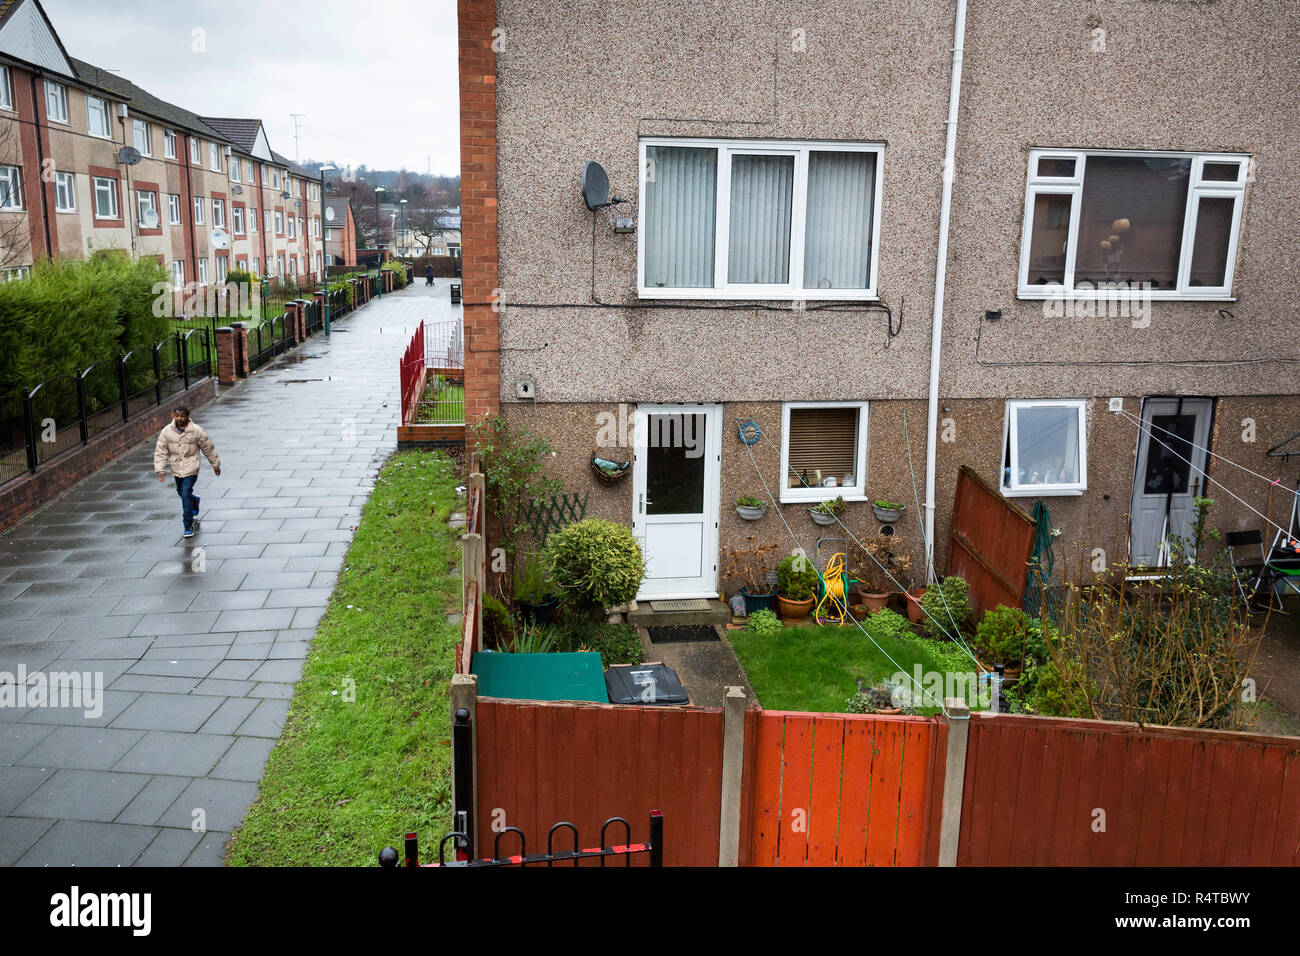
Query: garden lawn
{"points": [[816, 668], [349, 777]]}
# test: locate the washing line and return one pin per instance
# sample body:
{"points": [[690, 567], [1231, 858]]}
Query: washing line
{"points": [[1272, 481]]}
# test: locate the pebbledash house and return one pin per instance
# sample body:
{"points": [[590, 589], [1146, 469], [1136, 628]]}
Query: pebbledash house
{"points": [[1053, 241]]}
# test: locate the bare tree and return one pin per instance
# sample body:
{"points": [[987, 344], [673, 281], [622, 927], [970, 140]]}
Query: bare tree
{"points": [[15, 238]]}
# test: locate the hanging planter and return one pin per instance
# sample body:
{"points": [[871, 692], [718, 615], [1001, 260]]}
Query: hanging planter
{"points": [[610, 472], [828, 512], [750, 508], [888, 511]]}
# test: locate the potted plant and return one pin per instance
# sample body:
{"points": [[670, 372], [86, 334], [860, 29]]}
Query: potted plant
{"points": [[796, 581], [877, 699], [1000, 638], [946, 605], [888, 511], [749, 566], [750, 508], [535, 596], [876, 568], [827, 512], [914, 612]]}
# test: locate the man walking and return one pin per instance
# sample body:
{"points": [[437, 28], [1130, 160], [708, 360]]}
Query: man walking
{"points": [[428, 274], [179, 444]]}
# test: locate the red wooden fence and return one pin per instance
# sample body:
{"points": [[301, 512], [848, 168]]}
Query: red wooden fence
{"points": [[846, 790], [1170, 797], [989, 543]]}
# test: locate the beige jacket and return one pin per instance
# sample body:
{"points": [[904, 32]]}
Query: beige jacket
{"points": [[181, 450]]}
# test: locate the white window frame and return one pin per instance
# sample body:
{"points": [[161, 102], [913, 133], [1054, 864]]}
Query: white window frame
{"points": [[169, 144], [252, 220], [223, 267], [255, 265], [178, 274], [214, 156], [106, 127], [198, 210], [792, 290], [268, 220], [174, 208], [14, 193], [196, 151], [292, 233], [140, 135], [279, 223], [218, 214], [60, 93], [140, 205], [234, 169], [203, 270], [1011, 434], [858, 491], [237, 219], [65, 192], [112, 183], [6, 89], [1198, 188]]}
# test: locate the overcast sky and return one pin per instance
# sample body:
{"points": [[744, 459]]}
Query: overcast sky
{"points": [[393, 61]]}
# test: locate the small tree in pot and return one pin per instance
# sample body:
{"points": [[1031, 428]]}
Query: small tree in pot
{"points": [[598, 563], [796, 583], [749, 567]]}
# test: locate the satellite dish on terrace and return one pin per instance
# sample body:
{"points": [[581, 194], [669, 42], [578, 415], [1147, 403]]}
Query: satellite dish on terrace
{"points": [[237, 190], [150, 219], [329, 214], [220, 239], [128, 155]]}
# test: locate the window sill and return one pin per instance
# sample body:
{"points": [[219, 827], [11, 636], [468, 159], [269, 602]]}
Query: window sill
{"points": [[831, 495], [1043, 493], [1039, 295], [767, 295]]}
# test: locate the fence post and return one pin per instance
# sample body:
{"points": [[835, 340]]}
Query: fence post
{"points": [[157, 374], [477, 482], [182, 345], [954, 778], [733, 764], [121, 384], [82, 424], [464, 757], [29, 414]]}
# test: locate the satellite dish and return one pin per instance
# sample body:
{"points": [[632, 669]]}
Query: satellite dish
{"points": [[284, 195], [237, 190], [595, 185], [128, 155], [150, 219], [220, 239], [329, 214]]}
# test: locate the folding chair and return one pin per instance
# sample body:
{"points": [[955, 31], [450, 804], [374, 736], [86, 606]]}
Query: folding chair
{"points": [[1247, 569]]}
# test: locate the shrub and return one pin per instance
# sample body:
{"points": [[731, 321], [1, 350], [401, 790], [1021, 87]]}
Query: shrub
{"points": [[597, 562], [834, 506], [512, 462], [498, 626], [796, 578], [887, 623], [764, 622], [616, 643], [1001, 635], [531, 584], [943, 605], [878, 697]]}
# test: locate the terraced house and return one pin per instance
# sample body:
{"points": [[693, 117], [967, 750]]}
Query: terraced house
{"points": [[1049, 241], [192, 199]]}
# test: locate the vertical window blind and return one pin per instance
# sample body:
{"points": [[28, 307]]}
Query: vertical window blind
{"points": [[680, 209], [762, 190], [837, 240]]}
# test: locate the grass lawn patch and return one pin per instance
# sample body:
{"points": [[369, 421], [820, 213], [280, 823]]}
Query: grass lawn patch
{"points": [[816, 668], [350, 776], [442, 403]]}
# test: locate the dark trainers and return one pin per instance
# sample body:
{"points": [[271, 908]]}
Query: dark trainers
{"points": [[189, 533], [196, 506]]}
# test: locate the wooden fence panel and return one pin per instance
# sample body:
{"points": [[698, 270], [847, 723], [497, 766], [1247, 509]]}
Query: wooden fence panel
{"points": [[1170, 797], [990, 542]]}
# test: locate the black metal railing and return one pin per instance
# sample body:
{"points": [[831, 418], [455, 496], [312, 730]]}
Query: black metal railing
{"points": [[267, 340], [62, 413]]}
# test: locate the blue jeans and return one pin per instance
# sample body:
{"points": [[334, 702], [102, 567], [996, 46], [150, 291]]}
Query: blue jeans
{"points": [[189, 506]]}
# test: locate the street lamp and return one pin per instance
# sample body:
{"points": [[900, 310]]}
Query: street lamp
{"points": [[324, 258], [401, 204], [378, 257]]}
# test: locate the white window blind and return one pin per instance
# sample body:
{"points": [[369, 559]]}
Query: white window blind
{"points": [[762, 193], [837, 239], [680, 208]]}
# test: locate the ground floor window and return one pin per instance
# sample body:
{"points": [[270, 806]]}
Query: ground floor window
{"points": [[1044, 449], [823, 451]]}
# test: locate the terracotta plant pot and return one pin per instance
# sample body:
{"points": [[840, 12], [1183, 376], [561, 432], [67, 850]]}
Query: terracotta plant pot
{"points": [[914, 613], [793, 610], [888, 711], [874, 601], [859, 611]]}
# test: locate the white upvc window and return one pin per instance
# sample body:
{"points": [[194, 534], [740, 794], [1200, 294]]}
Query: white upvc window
{"points": [[237, 216], [302, 229], [146, 202], [6, 89], [279, 264], [11, 187], [178, 273], [234, 169], [279, 223], [174, 208], [275, 178], [97, 118], [1126, 224], [198, 210], [56, 101], [169, 144], [65, 192], [255, 265], [195, 154], [219, 213], [140, 136], [293, 266], [252, 219], [214, 157], [823, 451], [1045, 448], [267, 221], [315, 227], [105, 190], [222, 268], [203, 270], [758, 219], [292, 235]]}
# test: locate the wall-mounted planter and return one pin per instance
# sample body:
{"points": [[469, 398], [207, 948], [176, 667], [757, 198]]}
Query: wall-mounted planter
{"points": [[822, 518], [888, 515], [749, 513]]}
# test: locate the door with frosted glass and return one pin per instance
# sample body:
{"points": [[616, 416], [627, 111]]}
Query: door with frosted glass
{"points": [[675, 484], [1170, 474]]}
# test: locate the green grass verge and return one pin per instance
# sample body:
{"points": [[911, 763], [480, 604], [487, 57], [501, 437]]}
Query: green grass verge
{"points": [[816, 668], [348, 778], [441, 403]]}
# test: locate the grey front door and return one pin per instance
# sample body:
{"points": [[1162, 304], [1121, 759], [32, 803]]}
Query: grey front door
{"points": [[1170, 474]]}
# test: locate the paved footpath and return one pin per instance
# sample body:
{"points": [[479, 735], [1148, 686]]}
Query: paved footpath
{"points": [[199, 642]]}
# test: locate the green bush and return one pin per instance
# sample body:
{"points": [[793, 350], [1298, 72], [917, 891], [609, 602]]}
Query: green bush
{"points": [[764, 622], [943, 605], [1001, 635], [887, 623], [796, 578], [597, 562], [498, 626], [616, 643]]}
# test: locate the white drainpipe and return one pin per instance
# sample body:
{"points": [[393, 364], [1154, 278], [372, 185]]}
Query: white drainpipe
{"points": [[941, 269]]}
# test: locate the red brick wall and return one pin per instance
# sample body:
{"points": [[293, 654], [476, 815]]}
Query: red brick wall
{"points": [[22, 496], [478, 183]]}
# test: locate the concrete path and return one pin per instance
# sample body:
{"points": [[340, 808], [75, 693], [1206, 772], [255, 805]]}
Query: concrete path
{"points": [[199, 643]]}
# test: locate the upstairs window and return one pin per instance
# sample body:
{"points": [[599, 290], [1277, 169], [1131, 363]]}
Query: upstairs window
{"points": [[195, 155], [234, 169], [736, 219], [11, 187], [198, 210], [1163, 224], [105, 190], [174, 208], [1044, 449], [219, 213], [6, 89], [237, 216], [97, 117], [146, 203], [140, 136], [65, 192], [823, 451], [214, 157], [56, 102], [169, 144]]}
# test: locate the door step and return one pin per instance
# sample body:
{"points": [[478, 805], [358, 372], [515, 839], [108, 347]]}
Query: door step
{"points": [[683, 604], [696, 611]]}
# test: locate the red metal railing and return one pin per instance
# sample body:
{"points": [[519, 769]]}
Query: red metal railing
{"points": [[411, 372]]}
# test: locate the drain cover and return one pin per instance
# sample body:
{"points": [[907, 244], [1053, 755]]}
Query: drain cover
{"points": [[682, 634], [686, 604]]}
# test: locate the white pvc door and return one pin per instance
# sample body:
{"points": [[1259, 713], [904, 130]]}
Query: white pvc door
{"points": [[675, 484], [1170, 474]]}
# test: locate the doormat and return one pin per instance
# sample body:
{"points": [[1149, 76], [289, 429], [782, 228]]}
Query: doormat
{"points": [[682, 634], [682, 604]]}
